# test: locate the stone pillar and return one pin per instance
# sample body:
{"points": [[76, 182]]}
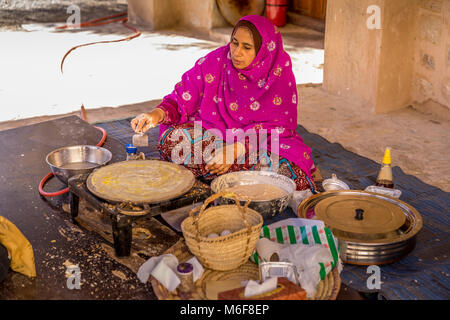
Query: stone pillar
{"points": [[369, 52], [200, 16], [396, 60], [152, 14]]}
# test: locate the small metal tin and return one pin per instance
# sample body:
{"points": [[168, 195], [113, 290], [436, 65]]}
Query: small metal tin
{"points": [[140, 140], [278, 269], [334, 184]]}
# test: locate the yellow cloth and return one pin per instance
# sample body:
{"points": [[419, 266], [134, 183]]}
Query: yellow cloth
{"points": [[22, 257]]}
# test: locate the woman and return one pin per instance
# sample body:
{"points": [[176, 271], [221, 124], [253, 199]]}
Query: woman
{"points": [[246, 86]]}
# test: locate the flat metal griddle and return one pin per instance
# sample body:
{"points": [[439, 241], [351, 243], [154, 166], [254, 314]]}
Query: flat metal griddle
{"points": [[140, 181]]}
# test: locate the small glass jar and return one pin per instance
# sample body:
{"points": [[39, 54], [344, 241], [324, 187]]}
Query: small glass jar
{"points": [[185, 272], [131, 152]]}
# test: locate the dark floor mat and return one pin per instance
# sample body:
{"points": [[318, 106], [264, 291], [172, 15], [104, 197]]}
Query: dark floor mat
{"points": [[424, 273]]}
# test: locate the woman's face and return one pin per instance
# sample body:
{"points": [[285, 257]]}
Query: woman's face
{"points": [[242, 48]]}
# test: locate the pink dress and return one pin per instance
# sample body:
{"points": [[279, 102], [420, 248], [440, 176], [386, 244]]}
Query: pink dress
{"points": [[256, 106]]}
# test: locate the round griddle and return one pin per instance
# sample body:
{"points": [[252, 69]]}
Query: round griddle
{"points": [[371, 228], [140, 181]]}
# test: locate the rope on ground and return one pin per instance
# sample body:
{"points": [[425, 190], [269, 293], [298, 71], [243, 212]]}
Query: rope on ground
{"points": [[96, 22]]}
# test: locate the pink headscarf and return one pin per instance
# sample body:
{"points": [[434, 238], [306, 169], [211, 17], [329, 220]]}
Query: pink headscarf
{"points": [[261, 96]]}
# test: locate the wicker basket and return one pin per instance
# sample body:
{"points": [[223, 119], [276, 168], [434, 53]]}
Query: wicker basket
{"points": [[224, 252], [328, 288]]}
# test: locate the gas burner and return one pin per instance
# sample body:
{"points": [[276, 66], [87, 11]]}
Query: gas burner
{"points": [[123, 214]]}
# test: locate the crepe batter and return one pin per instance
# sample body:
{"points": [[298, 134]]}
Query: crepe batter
{"points": [[258, 192]]}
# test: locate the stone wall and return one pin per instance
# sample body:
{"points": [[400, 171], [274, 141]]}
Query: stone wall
{"points": [[406, 59], [432, 53]]}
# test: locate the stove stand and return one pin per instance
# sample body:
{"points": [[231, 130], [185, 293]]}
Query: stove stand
{"points": [[122, 215]]}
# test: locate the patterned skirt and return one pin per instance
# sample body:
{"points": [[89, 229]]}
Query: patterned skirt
{"points": [[180, 142]]}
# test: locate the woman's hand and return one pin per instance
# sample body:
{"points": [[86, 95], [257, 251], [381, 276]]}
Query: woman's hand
{"points": [[145, 121], [221, 163], [218, 169]]}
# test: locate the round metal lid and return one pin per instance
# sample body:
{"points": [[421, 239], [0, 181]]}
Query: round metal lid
{"points": [[360, 214], [140, 181]]}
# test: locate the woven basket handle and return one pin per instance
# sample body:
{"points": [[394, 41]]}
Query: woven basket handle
{"points": [[215, 197]]}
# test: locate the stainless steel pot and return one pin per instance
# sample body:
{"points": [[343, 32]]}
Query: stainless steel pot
{"points": [[267, 208]]}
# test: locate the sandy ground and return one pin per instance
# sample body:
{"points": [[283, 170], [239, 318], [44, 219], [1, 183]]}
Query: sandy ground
{"points": [[119, 80], [419, 139]]}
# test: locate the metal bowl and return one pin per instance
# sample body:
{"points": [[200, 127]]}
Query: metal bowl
{"points": [[267, 208], [67, 162], [334, 184]]}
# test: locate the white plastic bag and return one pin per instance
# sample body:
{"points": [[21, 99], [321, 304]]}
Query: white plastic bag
{"points": [[306, 243], [307, 260]]}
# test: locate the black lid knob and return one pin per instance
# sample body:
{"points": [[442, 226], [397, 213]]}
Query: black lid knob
{"points": [[359, 214]]}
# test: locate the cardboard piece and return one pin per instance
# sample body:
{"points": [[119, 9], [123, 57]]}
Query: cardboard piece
{"points": [[285, 290]]}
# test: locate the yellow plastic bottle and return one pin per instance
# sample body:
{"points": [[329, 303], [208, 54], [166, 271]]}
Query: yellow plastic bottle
{"points": [[385, 178]]}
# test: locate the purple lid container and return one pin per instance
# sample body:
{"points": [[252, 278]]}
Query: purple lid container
{"points": [[185, 268]]}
